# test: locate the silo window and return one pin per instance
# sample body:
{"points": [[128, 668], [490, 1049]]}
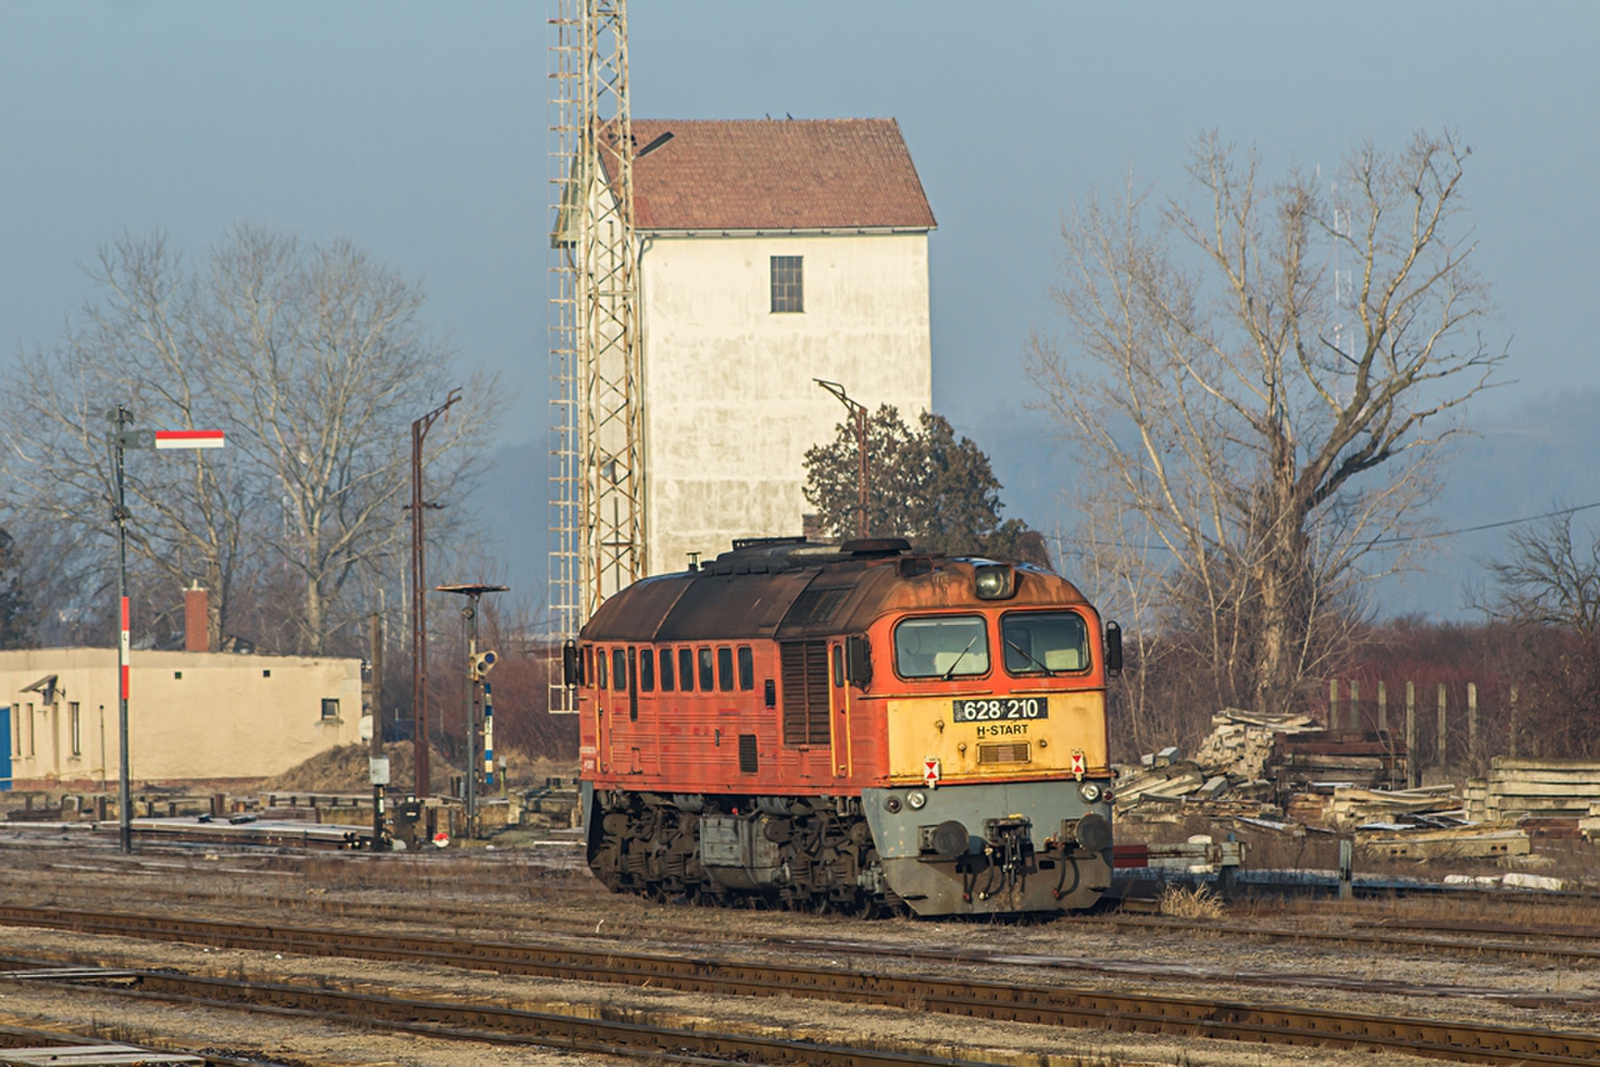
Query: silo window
{"points": [[788, 284]]}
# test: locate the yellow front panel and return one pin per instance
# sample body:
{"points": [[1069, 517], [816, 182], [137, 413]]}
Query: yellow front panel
{"points": [[923, 728]]}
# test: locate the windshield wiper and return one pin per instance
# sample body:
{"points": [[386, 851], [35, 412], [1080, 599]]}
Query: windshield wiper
{"points": [[1031, 660], [964, 651]]}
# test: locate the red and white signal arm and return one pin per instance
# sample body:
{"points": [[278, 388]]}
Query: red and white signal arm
{"points": [[930, 772], [189, 439], [1078, 768]]}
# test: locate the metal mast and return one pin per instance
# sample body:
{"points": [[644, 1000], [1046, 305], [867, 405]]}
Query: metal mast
{"points": [[597, 472]]}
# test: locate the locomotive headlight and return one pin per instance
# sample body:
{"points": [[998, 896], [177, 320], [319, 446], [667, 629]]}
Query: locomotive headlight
{"points": [[994, 581], [916, 798], [1089, 791]]}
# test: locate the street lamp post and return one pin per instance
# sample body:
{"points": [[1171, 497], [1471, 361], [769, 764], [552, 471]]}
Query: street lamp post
{"points": [[477, 666], [858, 414]]}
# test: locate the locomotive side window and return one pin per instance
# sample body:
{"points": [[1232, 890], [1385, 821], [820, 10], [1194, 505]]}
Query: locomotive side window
{"points": [[601, 661], [588, 664], [619, 668], [707, 673], [1044, 642], [941, 646], [686, 670], [725, 669], [666, 670], [838, 665], [747, 668], [647, 670]]}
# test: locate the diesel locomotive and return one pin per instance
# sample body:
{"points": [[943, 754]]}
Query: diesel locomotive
{"points": [[850, 727]]}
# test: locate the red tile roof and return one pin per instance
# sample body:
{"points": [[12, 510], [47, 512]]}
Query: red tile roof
{"points": [[794, 174]]}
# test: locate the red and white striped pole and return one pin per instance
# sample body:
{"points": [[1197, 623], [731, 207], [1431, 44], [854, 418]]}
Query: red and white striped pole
{"points": [[123, 439]]}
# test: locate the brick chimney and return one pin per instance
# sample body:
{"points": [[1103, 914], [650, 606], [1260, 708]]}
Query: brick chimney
{"points": [[196, 620]]}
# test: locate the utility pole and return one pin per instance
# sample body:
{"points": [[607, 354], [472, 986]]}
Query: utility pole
{"points": [[858, 414], [419, 603], [122, 439], [477, 667]]}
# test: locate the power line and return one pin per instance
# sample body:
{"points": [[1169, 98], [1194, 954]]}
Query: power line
{"points": [[1484, 526], [1063, 550]]}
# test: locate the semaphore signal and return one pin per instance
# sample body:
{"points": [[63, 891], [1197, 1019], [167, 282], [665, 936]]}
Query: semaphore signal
{"points": [[122, 439]]}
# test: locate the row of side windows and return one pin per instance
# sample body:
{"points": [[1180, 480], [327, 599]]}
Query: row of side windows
{"points": [[683, 669]]}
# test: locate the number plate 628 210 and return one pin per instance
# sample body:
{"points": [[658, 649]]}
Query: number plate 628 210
{"points": [[1001, 709]]}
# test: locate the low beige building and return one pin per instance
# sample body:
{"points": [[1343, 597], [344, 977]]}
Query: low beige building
{"points": [[191, 715]]}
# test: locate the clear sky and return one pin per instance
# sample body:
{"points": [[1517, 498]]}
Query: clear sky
{"points": [[419, 131]]}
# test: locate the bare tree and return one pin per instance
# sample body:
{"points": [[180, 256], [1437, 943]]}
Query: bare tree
{"points": [[313, 359], [1546, 592], [1258, 383]]}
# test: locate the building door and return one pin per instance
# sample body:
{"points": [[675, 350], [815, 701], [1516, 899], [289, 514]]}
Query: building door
{"points": [[5, 748]]}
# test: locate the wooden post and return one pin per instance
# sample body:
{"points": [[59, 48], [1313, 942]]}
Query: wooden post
{"points": [[1411, 735], [1355, 703], [1383, 707], [1472, 727], [1511, 729], [1333, 704], [1439, 756]]}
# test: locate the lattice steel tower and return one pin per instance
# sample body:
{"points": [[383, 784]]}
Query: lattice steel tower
{"points": [[597, 531]]}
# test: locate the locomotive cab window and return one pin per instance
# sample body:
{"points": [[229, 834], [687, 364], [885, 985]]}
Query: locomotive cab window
{"points": [[725, 669], [647, 670], [666, 670], [747, 668], [708, 679], [601, 662], [619, 668], [686, 670], [588, 665], [942, 646], [1044, 642]]}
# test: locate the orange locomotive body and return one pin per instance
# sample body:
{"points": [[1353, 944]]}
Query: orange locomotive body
{"points": [[851, 727]]}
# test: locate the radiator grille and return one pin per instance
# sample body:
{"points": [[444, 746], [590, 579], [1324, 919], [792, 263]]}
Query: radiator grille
{"points": [[748, 759], [1004, 752]]}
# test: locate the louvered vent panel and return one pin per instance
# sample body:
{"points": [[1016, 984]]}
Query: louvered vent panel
{"points": [[805, 693]]}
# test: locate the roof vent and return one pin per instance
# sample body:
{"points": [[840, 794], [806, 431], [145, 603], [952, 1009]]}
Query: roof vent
{"points": [[876, 546]]}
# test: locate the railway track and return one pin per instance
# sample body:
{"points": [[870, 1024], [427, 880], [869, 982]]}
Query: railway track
{"points": [[1459, 1041], [1387, 934], [482, 1022]]}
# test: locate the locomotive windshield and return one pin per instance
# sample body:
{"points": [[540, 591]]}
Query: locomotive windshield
{"points": [[1044, 642], [944, 646]]}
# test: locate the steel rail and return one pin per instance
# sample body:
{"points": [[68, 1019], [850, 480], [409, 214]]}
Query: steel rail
{"points": [[467, 1020], [1462, 1041], [1423, 937]]}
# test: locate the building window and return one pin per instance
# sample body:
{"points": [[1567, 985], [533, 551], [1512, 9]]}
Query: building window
{"points": [[330, 707], [16, 729], [76, 725], [31, 729], [788, 284]]}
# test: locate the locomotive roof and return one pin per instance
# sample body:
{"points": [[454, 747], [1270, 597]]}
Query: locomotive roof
{"points": [[787, 588]]}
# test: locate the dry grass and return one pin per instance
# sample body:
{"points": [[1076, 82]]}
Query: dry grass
{"points": [[1197, 903]]}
